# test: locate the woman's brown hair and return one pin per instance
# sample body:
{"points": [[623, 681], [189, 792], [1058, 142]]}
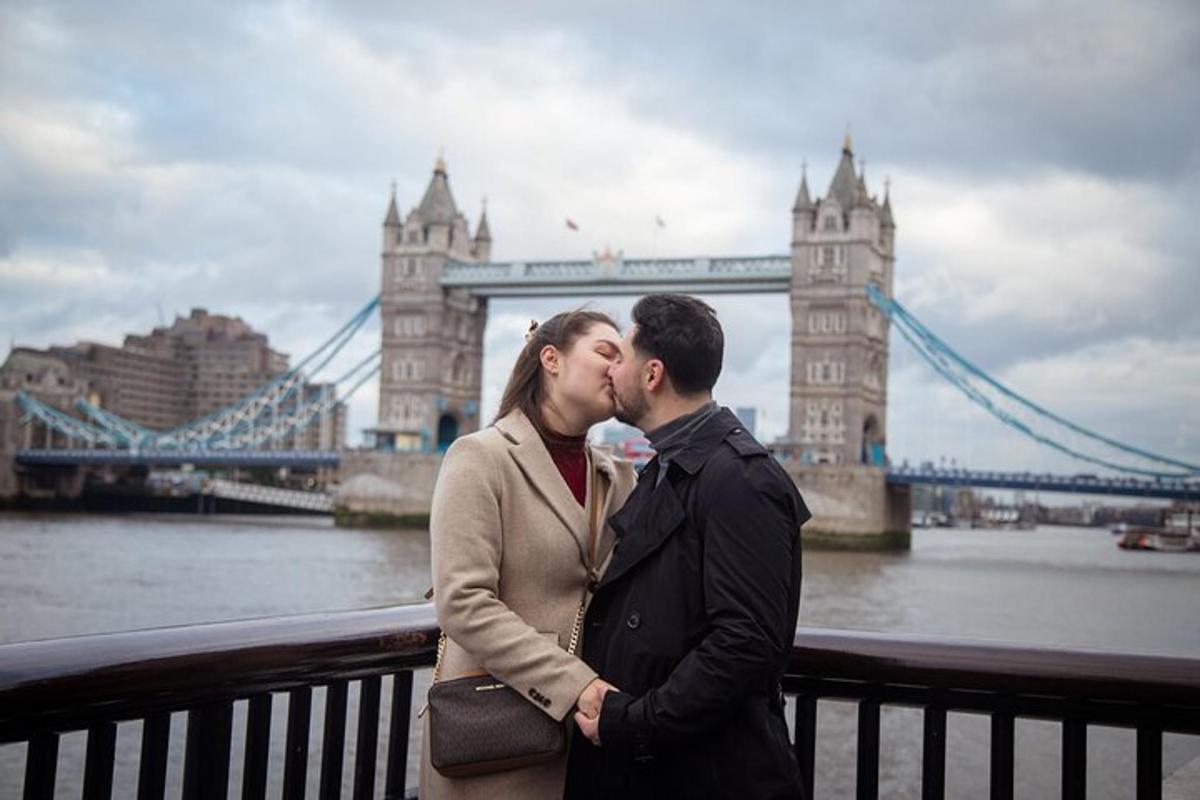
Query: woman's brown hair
{"points": [[525, 390]]}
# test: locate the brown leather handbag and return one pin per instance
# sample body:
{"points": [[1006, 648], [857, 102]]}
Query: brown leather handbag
{"points": [[478, 724]]}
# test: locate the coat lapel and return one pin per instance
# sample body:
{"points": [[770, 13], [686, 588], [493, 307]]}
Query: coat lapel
{"points": [[535, 462], [644, 524], [606, 475]]}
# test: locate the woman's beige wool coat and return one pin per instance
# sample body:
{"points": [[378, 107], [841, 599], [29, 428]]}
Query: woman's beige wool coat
{"points": [[509, 553]]}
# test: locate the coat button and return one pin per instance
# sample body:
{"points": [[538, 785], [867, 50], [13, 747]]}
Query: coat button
{"points": [[634, 620]]}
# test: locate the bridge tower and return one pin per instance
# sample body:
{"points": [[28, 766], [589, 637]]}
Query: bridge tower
{"points": [[841, 243], [838, 394], [432, 338]]}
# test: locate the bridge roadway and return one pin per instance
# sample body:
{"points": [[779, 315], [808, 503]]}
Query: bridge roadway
{"points": [[320, 502], [175, 458], [611, 274], [978, 479], [1047, 482]]}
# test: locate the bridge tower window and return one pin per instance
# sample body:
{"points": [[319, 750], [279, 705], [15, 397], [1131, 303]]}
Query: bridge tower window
{"points": [[447, 432], [872, 442]]}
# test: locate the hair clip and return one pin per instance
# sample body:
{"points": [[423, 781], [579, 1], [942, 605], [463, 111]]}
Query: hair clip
{"points": [[533, 326]]}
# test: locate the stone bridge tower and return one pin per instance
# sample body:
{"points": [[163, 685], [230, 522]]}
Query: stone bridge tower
{"points": [[840, 243], [432, 338]]}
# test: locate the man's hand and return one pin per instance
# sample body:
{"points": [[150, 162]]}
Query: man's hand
{"points": [[589, 726], [590, 702], [591, 699]]}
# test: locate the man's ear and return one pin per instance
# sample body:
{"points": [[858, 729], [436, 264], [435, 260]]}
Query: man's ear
{"points": [[549, 356], [654, 375]]}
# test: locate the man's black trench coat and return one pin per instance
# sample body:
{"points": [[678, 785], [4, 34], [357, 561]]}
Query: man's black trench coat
{"points": [[693, 621]]}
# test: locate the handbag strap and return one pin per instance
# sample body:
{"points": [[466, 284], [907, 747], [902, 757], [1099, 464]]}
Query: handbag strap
{"points": [[441, 645]]}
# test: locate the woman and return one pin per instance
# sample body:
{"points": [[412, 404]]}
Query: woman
{"points": [[512, 546]]}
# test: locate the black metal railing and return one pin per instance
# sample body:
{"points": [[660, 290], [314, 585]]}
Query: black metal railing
{"points": [[1151, 694], [90, 683]]}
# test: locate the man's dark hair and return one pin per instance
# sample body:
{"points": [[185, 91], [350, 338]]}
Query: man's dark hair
{"points": [[684, 334]]}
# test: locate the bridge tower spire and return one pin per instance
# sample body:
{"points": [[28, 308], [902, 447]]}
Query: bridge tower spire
{"points": [[392, 227], [482, 248], [432, 338]]}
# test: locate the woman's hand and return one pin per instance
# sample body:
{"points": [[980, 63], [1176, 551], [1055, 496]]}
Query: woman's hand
{"points": [[591, 699]]}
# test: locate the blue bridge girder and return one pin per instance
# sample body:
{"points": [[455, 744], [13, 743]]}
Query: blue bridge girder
{"points": [[309, 459], [616, 275], [1163, 489]]}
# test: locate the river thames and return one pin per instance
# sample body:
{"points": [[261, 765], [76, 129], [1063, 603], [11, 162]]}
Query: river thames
{"points": [[62, 575]]}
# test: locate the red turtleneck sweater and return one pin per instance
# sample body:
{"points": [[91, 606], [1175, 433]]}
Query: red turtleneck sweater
{"points": [[570, 456]]}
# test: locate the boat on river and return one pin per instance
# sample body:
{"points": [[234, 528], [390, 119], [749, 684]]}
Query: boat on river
{"points": [[1180, 533]]}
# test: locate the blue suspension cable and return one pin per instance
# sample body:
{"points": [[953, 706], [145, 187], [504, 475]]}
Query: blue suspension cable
{"points": [[943, 358], [944, 348]]}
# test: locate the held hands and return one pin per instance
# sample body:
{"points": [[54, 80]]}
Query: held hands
{"points": [[591, 700]]}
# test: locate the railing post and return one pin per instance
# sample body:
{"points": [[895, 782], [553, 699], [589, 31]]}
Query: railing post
{"points": [[805, 746], [258, 743], [152, 766], [867, 780], [933, 757], [367, 739], [1074, 760], [206, 754], [397, 751], [1149, 763], [41, 764], [295, 763], [1002, 756], [98, 763], [333, 744]]}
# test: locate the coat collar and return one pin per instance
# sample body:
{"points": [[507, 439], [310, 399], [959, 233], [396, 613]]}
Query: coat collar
{"points": [[534, 459], [704, 442], [517, 428], [655, 509]]}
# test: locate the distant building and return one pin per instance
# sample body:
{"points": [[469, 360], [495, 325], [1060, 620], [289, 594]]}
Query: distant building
{"points": [[169, 377], [627, 442], [615, 434], [637, 450], [37, 373]]}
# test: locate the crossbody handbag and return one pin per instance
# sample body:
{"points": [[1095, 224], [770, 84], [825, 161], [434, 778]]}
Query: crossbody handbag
{"points": [[479, 725]]}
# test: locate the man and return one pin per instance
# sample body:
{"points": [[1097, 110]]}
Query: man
{"points": [[694, 618]]}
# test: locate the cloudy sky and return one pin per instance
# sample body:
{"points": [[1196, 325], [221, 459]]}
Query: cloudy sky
{"points": [[1043, 157]]}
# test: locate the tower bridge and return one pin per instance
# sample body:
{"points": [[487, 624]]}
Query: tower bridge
{"points": [[436, 281], [437, 278]]}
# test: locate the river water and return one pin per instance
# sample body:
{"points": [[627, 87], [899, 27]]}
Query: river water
{"points": [[62, 575]]}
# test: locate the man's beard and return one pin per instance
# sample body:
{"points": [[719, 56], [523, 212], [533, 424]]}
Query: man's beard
{"points": [[630, 410]]}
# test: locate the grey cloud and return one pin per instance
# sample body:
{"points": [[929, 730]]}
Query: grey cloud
{"points": [[1103, 87]]}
